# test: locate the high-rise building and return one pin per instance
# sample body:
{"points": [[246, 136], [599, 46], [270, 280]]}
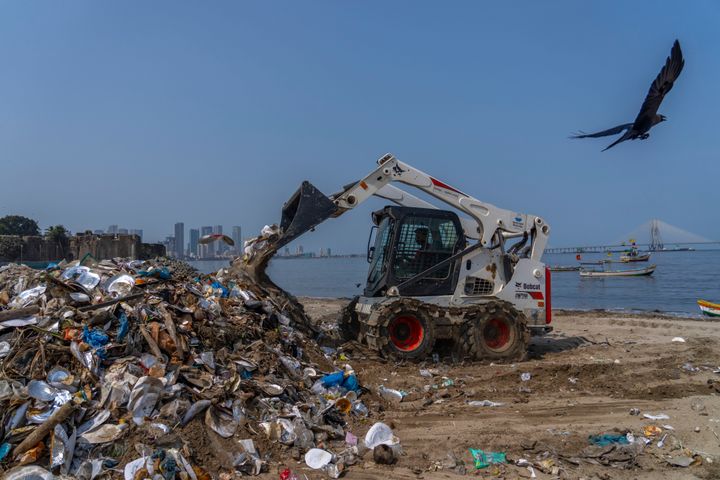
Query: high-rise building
{"points": [[138, 232], [208, 251], [180, 240], [237, 238], [170, 246], [112, 229], [220, 246], [122, 231], [98, 232], [193, 245]]}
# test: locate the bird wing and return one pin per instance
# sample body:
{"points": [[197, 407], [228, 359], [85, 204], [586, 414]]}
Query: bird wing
{"points": [[604, 133], [663, 84], [626, 136]]}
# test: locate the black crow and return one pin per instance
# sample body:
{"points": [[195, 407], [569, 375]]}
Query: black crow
{"points": [[648, 116]]}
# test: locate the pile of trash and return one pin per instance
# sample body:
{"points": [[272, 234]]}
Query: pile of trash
{"points": [[147, 368]]}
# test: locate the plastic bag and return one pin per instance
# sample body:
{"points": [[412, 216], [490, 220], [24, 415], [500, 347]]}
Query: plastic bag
{"points": [[484, 459]]}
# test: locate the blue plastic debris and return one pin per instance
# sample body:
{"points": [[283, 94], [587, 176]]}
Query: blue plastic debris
{"points": [[219, 286], [606, 439], [123, 328], [4, 450], [161, 273], [349, 382], [333, 379], [483, 459], [97, 339]]}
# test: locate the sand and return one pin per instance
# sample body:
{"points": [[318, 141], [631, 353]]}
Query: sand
{"points": [[586, 376]]}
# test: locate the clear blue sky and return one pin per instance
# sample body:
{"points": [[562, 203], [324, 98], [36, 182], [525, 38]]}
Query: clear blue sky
{"points": [[146, 113]]}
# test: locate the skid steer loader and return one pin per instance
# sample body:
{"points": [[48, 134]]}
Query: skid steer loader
{"points": [[471, 285]]}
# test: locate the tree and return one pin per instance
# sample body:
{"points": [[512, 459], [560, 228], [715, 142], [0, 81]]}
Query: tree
{"points": [[18, 225], [56, 233], [10, 248]]}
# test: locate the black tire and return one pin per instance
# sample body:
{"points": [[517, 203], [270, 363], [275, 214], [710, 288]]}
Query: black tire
{"points": [[349, 325], [407, 331], [465, 345], [495, 331]]}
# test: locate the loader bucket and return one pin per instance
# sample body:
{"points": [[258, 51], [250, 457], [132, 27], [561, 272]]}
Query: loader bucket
{"points": [[307, 208]]}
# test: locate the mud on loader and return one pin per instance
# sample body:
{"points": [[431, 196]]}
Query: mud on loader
{"points": [[471, 285]]}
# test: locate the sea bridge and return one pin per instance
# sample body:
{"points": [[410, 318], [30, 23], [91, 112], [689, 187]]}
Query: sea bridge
{"points": [[682, 241], [621, 248]]}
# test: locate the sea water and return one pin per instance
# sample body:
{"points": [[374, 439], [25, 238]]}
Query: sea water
{"points": [[679, 280]]}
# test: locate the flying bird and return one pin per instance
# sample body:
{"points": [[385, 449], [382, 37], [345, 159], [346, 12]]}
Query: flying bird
{"points": [[648, 116]]}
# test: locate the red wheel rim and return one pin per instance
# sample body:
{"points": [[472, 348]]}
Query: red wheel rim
{"points": [[497, 334], [406, 333]]}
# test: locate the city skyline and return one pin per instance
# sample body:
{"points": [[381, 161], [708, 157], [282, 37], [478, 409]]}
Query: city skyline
{"points": [[219, 249]]}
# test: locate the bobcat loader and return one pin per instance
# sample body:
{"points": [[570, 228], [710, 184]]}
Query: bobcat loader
{"points": [[471, 284]]}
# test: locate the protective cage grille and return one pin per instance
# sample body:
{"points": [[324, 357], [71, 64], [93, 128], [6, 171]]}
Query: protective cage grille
{"points": [[422, 243], [478, 286]]}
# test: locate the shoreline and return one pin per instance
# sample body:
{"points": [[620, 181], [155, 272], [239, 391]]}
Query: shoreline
{"points": [[594, 312]]}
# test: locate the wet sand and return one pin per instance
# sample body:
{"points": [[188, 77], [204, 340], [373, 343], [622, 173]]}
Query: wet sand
{"points": [[586, 376]]}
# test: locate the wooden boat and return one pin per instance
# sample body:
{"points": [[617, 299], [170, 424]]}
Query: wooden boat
{"points": [[708, 308], [564, 268], [633, 272]]}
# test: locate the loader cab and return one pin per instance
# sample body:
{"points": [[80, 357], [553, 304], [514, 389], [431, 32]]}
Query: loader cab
{"points": [[407, 241]]}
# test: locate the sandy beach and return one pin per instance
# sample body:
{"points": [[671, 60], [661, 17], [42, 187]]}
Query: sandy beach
{"points": [[585, 377]]}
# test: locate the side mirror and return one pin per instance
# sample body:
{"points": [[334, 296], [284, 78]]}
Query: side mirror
{"points": [[371, 250]]}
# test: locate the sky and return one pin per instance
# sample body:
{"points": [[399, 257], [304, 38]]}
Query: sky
{"points": [[143, 114]]}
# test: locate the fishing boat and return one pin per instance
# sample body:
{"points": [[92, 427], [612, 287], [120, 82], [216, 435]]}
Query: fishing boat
{"points": [[564, 268], [632, 272], [634, 256], [708, 308]]}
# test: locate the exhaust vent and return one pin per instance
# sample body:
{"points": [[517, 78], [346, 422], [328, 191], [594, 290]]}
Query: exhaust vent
{"points": [[478, 286]]}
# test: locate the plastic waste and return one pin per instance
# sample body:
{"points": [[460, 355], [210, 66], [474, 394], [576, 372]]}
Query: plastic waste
{"points": [[317, 458], [605, 439], [4, 349], [482, 459], [27, 297], [120, 285], [81, 275], [4, 450], [678, 340], [287, 474], [525, 376], [161, 273], [390, 394], [360, 409], [343, 405], [379, 434], [659, 416], [29, 472], [124, 327], [163, 354], [484, 403]]}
